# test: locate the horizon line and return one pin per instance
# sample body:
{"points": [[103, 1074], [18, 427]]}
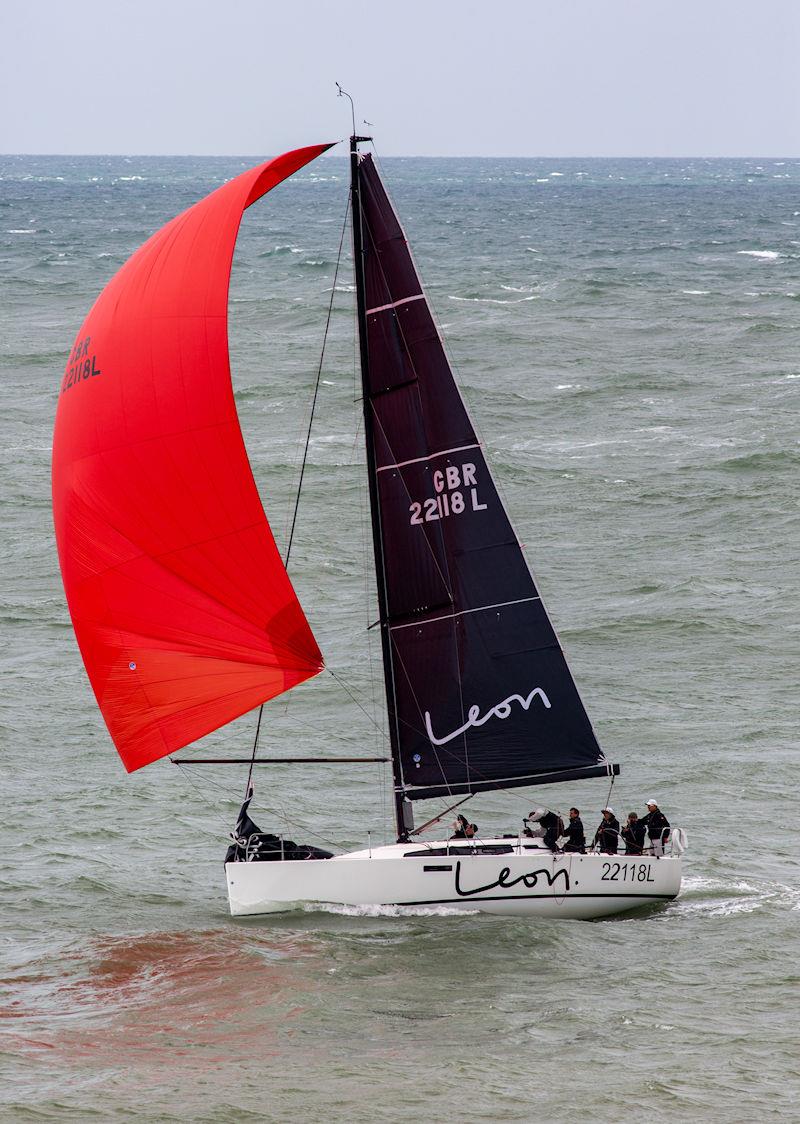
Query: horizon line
{"points": [[407, 156]]}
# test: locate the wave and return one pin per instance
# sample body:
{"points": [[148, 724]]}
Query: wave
{"points": [[764, 326], [764, 255], [717, 897], [759, 462], [388, 910], [280, 250], [493, 300]]}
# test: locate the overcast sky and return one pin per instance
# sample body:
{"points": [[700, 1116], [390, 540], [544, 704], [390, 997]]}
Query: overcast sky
{"points": [[436, 77]]}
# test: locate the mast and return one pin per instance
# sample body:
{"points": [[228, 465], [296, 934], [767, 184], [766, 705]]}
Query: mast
{"points": [[402, 808]]}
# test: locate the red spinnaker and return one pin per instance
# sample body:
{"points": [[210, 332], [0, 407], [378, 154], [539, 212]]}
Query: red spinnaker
{"points": [[182, 607]]}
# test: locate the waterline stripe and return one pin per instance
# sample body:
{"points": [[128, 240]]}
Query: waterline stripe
{"points": [[560, 895], [394, 304], [429, 457], [449, 616]]}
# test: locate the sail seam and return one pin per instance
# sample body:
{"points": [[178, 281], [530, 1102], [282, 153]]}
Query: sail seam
{"points": [[463, 612], [395, 304], [429, 456]]}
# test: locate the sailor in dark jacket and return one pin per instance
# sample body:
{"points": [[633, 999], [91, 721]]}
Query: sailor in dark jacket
{"points": [[576, 840], [552, 824], [657, 826], [633, 835], [464, 829], [607, 835]]}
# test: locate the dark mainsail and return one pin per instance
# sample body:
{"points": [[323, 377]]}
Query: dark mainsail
{"points": [[479, 692]]}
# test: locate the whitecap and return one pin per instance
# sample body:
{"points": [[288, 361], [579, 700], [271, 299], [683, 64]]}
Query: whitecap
{"points": [[27, 230], [695, 292], [491, 300], [387, 910], [765, 255], [532, 250]]}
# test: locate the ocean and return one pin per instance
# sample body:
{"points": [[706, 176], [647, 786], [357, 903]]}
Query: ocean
{"points": [[625, 334]]}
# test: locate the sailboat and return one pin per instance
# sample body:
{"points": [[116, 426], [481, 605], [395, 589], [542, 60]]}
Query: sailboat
{"points": [[186, 617]]}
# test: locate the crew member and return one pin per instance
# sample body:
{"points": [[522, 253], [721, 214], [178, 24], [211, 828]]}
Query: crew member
{"points": [[552, 824], [657, 826], [576, 840], [633, 835], [606, 838], [464, 829]]}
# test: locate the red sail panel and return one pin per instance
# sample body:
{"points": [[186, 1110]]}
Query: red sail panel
{"points": [[181, 604]]}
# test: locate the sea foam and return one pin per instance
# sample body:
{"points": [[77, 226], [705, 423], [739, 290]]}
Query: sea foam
{"points": [[765, 255]]}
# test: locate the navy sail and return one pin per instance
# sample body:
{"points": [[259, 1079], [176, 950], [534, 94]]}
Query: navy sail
{"points": [[479, 692]]}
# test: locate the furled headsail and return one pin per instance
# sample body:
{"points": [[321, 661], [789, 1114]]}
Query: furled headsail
{"points": [[182, 607], [480, 694]]}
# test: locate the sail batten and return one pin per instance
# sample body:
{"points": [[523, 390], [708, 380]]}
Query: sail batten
{"points": [[182, 607], [478, 686]]}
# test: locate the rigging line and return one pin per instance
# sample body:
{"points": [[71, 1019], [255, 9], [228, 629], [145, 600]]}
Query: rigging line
{"points": [[476, 774], [608, 798], [224, 789], [253, 754], [441, 815], [305, 455], [206, 801], [281, 813], [316, 385], [347, 690], [348, 740]]}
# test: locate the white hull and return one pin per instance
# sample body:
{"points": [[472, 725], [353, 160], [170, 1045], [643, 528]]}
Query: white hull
{"points": [[525, 881]]}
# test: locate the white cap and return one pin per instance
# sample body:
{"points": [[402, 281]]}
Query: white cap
{"points": [[651, 801], [611, 810], [536, 814]]}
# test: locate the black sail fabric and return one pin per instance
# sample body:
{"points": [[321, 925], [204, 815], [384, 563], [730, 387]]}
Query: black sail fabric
{"points": [[481, 693]]}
